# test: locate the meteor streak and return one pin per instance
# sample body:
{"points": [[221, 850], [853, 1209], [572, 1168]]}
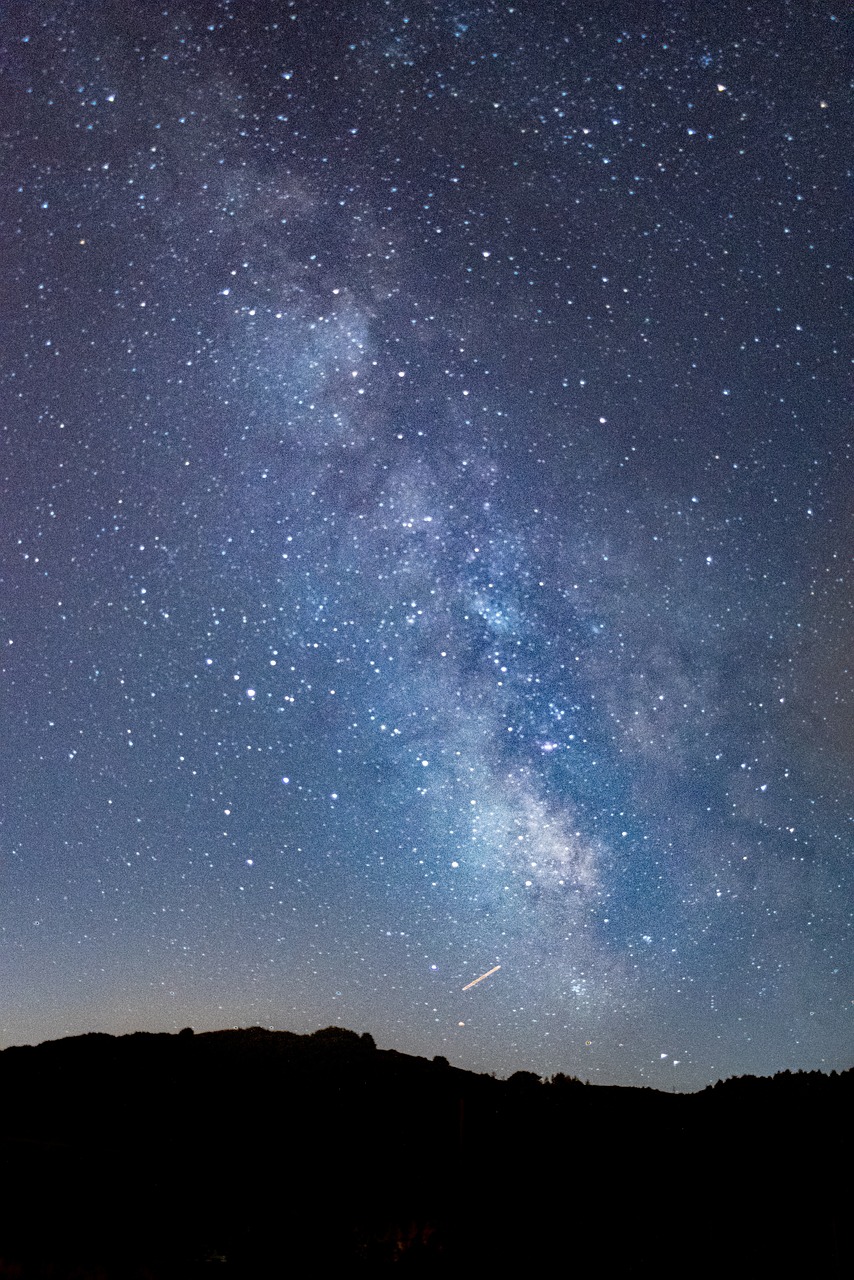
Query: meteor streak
{"points": [[481, 978]]}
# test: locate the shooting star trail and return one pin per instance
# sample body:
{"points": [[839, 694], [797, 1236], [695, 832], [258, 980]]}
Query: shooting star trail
{"points": [[481, 978]]}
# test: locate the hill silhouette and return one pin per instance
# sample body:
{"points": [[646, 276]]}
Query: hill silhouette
{"points": [[265, 1153]]}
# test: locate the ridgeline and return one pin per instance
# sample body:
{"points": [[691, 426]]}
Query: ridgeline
{"points": [[262, 1153]]}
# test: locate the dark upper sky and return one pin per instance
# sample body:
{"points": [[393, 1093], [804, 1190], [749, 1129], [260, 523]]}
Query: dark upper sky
{"points": [[426, 528]]}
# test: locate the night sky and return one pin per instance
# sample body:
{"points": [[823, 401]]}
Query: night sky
{"points": [[426, 528]]}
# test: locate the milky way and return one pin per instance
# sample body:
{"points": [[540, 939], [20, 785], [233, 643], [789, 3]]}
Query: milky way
{"points": [[426, 535]]}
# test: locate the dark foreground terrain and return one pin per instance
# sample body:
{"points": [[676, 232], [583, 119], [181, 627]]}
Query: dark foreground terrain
{"points": [[257, 1153]]}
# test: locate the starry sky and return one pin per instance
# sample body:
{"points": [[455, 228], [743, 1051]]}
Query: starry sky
{"points": [[426, 528]]}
